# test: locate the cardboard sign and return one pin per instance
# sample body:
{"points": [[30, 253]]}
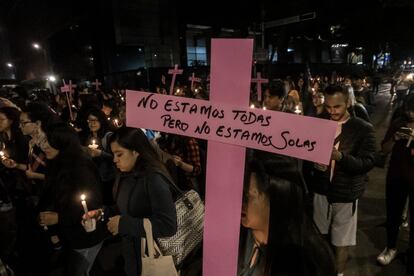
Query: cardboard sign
{"points": [[287, 134]]}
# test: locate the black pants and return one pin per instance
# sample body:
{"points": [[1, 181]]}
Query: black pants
{"points": [[4, 193], [397, 191]]}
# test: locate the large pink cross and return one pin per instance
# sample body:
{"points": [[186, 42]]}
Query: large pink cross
{"points": [[174, 72], [258, 80], [230, 84], [97, 84], [231, 61], [193, 79]]}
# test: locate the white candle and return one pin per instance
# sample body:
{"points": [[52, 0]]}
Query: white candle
{"points": [[83, 201], [297, 110], [2, 155], [93, 145], [264, 108], [252, 106], [410, 140], [116, 123]]}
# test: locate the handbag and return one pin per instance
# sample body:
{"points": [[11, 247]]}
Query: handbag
{"points": [[154, 264], [190, 223]]}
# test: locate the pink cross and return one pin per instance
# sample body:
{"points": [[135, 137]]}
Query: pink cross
{"points": [[193, 79], [174, 72], [67, 89], [223, 208], [258, 80], [231, 61], [97, 84]]}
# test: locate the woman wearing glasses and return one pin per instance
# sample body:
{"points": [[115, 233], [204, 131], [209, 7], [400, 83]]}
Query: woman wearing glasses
{"points": [[95, 141]]}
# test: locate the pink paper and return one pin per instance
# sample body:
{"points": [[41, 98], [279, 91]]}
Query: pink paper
{"points": [[283, 133]]}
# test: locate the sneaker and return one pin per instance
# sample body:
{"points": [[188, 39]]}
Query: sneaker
{"points": [[387, 256], [5, 207]]}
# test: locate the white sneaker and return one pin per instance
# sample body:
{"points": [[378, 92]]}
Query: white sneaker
{"points": [[387, 256]]}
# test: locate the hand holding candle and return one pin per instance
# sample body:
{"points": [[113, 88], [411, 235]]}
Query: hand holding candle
{"points": [[94, 145], [90, 223], [2, 155]]}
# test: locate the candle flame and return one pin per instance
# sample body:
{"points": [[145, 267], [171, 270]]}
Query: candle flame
{"points": [[83, 197], [252, 106], [264, 108]]}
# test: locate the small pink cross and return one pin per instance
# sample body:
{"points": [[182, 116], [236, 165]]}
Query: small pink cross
{"points": [[258, 80], [67, 89], [193, 79], [174, 72], [97, 84]]}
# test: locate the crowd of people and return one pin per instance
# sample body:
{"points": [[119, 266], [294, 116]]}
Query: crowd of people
{"points": [[298, 217]]}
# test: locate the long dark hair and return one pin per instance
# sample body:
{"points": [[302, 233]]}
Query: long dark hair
{"points": [[293, 247], [102, 120], [64, 138], [134, 139], [12, 114]]}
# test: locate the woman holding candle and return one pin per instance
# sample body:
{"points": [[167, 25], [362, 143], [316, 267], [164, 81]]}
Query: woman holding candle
{"points": [[399, 182], [70, 174], [15, 155], [142, 192], [96, 141]]}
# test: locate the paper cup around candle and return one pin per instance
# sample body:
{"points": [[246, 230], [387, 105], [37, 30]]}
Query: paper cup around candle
{"points": [[89, 225]]}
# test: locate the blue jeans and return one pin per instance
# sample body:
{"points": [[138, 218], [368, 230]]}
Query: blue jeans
{"points": [[90, 254]]}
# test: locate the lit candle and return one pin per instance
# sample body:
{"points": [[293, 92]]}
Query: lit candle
{"points": [[297, 110], [116, 122], [93, 145], [2, 155], [410, 140], [264, 108], [83, 201], [252, 106]]}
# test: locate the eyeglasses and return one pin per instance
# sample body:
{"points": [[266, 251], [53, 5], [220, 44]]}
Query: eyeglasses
{"points": [[92, 121], [24, 123]]}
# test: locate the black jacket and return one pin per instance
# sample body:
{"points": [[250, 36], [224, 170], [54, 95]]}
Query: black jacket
{"points": [[139, 196], [65, 182], [357, 144]]}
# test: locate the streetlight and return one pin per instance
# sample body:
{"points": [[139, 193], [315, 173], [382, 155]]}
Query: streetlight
{"points": [[10, 65], [39, 47]]}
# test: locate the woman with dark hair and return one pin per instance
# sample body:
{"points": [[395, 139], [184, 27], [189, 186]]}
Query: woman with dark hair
{"points": [[399, 140], [277, 237], [34, 121], [15, 148], [70, 174], [95, 140], [143, 191]]}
